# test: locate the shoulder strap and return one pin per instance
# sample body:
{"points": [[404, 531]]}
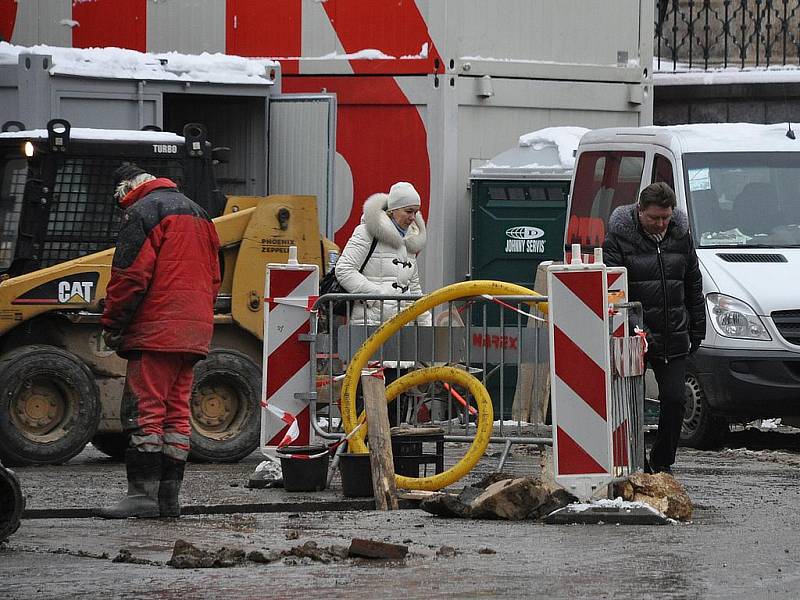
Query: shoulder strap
{"points": [[369, 254]]}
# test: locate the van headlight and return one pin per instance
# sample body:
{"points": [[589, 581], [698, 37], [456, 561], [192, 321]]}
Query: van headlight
{"points": [[735, 319]]}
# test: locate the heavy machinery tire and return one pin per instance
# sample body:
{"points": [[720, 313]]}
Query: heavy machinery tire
{"points": [[12, 503], [111, 444], [49, 406], [225, 407], [701, 428]]}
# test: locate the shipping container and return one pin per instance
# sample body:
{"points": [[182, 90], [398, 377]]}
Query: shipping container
{"points": [[425, 89]]}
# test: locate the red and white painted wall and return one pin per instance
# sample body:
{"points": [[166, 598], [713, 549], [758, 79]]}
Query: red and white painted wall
{"points": [[425, 88]]}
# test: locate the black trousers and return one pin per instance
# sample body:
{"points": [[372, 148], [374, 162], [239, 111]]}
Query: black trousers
{"points": [[672, 399]]}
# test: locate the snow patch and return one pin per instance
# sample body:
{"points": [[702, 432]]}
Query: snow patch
{"points": [[566, 139], [120, 63], [682, 74], [617, 503], [69, 23], [85, 133]]}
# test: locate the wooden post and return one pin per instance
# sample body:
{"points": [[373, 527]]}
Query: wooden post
{"points": [[380, 442]]}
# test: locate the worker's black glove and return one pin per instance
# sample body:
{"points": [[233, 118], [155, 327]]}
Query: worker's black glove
{"points": [[112, 339], [695, 345]]}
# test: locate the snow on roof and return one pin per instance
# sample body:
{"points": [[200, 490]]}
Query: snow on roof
{"points": [[119, 63], [85, 133], [704, 137], [564, 138], [545, 153]]}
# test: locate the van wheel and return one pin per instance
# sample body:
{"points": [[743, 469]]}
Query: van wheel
{"points": [[701, 428], [111, 444], [49, 406], [225, 407]]}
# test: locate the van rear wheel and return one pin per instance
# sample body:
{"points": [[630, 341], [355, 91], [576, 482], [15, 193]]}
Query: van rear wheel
{"points": [[701, 428]]}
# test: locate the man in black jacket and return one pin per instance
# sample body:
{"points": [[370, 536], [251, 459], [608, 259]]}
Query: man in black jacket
{"points": [[652, 240]]}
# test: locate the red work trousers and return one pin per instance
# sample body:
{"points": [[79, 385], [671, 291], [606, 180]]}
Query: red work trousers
{"points": [[155, 404]]}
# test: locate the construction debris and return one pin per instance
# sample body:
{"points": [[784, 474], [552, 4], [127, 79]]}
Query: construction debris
{"points": [[374, 549], [125, 556], [189, 556], [660, 490], [500, 497]]}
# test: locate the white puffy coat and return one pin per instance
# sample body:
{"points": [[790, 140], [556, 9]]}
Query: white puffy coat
{"points": [[392, 268]]}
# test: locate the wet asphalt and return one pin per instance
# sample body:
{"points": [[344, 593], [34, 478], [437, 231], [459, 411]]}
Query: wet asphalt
{"points": [[742, 542]]}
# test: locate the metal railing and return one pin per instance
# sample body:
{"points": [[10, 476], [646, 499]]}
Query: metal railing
{"points": [[494, 339], [627, 392], [710, 34]]}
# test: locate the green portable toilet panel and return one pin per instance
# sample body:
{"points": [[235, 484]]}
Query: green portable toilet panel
{"points": [[519, 211], [519, 206]]}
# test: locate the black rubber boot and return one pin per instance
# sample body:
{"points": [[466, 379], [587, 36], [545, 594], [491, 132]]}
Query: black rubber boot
{"points": [[171, 479], [144, 475]]}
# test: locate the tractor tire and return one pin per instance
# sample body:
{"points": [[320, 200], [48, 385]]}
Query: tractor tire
{"points": [[12, 503], [701, 429], [111, 444], [225, 407], [49, 406]]}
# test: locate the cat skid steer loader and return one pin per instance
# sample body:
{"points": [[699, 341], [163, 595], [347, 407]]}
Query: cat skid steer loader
{"points": [[60, 386]]}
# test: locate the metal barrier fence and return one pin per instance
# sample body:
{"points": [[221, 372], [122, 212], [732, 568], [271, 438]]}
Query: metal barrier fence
{"points": [[627, 392], [703, 34], [502, 340]]}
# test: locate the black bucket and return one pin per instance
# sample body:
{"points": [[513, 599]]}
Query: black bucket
{"points": [[356, 475], [304, 474]]}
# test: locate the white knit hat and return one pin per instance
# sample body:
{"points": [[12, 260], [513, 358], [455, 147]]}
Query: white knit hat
{"points": [[402, 194]]}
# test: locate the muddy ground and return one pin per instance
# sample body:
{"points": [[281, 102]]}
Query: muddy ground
{"points": [[742, 542]]}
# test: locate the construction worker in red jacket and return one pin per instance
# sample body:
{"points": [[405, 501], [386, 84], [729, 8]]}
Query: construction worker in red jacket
{"points": [[158, 314]]}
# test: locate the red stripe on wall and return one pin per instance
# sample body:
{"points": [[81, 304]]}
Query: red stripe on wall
{"points": [[8, 16], [378, 133], [286, 360], [587, 286], [264, 28], [574, 460], [120, 23], [584, 376], [395, 28]]}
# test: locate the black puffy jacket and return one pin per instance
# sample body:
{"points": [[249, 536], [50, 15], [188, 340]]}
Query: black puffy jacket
{"points": [[665, 277]]}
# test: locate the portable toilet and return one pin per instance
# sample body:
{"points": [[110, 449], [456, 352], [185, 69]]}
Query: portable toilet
{"points": [[519, 211], [519, 206]]}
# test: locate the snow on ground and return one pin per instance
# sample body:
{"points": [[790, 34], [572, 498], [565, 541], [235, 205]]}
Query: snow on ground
{"points": [[617, 503], [119, 63]]}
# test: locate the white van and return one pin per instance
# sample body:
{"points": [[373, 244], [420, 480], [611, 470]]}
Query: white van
{"points": [[740, 184]]}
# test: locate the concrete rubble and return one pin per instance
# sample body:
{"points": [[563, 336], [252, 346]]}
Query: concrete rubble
{"points": [[660, 490], [500, 497]]}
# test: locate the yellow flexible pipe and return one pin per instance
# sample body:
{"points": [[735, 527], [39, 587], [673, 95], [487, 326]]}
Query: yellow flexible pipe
{"points": [[385, 331]]}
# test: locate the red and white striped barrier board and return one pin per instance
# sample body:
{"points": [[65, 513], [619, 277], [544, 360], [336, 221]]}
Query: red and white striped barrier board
{"points": [[580, 375], [290, 291]]}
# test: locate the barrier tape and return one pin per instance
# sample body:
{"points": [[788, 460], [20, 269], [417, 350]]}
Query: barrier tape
{"points": [[331, 448], [512, 308]]}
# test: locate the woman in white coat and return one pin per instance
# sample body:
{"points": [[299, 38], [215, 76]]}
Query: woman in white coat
{"points": [[395, 221]]}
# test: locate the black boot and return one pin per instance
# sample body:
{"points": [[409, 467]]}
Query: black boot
{"points": [[144, 474], [171, 479]]}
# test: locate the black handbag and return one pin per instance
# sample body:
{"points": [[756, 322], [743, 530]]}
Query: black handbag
{"points": [[331, 285]]}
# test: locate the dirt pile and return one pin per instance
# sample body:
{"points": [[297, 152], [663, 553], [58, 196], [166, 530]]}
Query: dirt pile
{"points": [[660, 490]]}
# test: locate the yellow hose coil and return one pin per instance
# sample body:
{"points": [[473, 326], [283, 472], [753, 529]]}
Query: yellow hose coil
{"points": [[383, 333]]}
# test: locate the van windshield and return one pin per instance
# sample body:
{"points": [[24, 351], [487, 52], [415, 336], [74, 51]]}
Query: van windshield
{"points": [[744, 199]]}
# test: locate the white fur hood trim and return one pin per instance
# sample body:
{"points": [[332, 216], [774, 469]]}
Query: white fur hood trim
{"points": [[379, 225]]}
